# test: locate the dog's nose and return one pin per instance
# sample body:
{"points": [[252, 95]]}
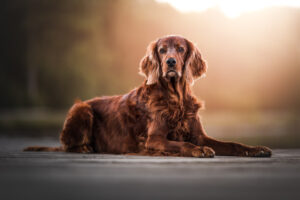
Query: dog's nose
{"points": [[171, 62]]}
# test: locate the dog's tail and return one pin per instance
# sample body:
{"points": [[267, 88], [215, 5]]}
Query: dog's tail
{"points": [[47, 149]]}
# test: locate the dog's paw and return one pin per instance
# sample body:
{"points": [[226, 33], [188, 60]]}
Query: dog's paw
{"points": [[259, 151], [203, 152]]}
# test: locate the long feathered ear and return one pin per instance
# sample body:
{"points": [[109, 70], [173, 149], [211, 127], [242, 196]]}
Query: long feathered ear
{"points": [[149, 65], [196, 67]]}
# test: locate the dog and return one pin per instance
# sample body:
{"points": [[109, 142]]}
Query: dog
{"points": [[158, 118]]}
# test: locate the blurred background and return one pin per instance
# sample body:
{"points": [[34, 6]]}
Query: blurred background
{"points": [[54, 51]]}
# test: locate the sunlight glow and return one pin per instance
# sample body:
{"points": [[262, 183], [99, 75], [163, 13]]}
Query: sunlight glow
{"points": [[231, 8]]}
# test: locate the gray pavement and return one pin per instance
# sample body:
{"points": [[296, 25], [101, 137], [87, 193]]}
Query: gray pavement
{"points": [[31, 175]]}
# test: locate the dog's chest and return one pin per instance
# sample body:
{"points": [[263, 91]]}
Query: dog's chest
{"points": [[178, 116], [178, 121]]}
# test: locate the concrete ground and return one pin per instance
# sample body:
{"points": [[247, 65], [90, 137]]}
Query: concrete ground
{"points": [[30, 175]]}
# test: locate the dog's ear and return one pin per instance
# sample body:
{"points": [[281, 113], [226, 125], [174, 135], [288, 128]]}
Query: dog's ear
{"points": [[149, 65], [195, 66]]}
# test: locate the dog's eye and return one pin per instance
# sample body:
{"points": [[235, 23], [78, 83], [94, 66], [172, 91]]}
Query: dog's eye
{"points": [[180, 49], [162, 51]]}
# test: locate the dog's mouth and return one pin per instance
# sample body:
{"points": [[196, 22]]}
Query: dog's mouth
{"points": [[172, 77], [172, 74]]}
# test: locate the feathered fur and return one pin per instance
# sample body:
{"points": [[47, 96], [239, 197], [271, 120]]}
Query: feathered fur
{"points": [[158, 118]]}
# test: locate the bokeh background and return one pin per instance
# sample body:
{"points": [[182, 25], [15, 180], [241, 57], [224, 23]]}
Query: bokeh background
{"points": [[54, 51]]}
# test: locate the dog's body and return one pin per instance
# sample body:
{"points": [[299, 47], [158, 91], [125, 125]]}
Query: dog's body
{"points": [[158, 118]]}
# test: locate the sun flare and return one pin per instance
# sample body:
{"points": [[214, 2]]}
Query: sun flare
{"points": [[231, 8]]}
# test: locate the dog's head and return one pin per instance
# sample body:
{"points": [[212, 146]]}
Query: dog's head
{"points": [[172, 58]]}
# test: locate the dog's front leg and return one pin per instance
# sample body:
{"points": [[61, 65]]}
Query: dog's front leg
{"points": [[157, 141], [226, 148], [235, 149]]}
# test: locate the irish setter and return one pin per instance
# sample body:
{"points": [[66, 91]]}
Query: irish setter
{"points": [[158, 118]]}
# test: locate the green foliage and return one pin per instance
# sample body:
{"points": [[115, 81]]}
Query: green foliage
{"points": [[64, 53]]}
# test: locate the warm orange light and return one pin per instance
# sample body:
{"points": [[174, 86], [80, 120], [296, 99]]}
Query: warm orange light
{"points": [[231, 8]]}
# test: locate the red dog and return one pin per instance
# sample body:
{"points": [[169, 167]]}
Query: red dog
{"points": [[158, 118]]}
